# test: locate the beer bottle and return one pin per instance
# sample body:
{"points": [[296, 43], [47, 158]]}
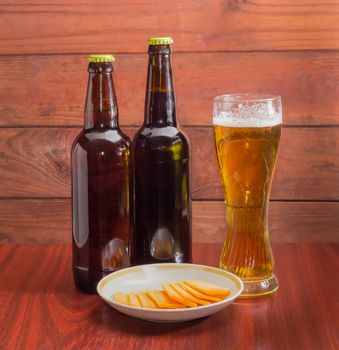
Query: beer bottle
{"points": [[101, 183], [161, 155]]}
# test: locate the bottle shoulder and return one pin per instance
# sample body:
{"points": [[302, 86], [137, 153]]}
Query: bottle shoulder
{"points": [[164, 144], [115, 136], [164, 135], [108, 138]]}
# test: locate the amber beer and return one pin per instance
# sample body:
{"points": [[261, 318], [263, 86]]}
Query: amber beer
{"points": [[161, 153], [102, 183], [247, 138]]}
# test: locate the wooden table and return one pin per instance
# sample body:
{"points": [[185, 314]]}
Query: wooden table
{"points": [[41, 309]]}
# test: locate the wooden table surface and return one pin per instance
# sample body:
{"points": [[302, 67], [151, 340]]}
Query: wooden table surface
{"points": [[41, 309]]}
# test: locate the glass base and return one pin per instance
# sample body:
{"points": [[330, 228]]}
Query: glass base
{"points": [[260, 287]]}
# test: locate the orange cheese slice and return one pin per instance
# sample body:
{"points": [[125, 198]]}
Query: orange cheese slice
{"points": [[145, 300], [207, 288], [199, 294], [188, 296], [162, 300], [173, 294], [134, 300], [121, 298]]}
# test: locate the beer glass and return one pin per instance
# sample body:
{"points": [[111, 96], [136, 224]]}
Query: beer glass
{"points": [[247, 131]]}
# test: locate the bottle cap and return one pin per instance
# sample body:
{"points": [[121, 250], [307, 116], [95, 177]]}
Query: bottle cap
{"points": [[101, 58], [160, 41]]}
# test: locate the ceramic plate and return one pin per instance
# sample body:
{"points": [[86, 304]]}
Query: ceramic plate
{"points": [[145, 277]]}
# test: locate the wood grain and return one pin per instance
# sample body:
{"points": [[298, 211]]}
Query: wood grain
{"points": [[34, 162], [50, 90], [49, 221], [38, 221], [41, 309], [124, 25]]}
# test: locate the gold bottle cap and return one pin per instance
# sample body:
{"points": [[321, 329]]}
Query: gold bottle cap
{"points": [[101, 58], [160, 41]]}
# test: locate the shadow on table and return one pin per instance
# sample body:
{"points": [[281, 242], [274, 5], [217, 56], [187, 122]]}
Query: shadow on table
{"points": [[111, 320]]}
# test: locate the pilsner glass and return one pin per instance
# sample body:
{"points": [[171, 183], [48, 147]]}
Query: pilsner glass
{"points": [[247, 131]]}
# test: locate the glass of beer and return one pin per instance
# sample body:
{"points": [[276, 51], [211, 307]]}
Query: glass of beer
{"points": [[247, 131]]}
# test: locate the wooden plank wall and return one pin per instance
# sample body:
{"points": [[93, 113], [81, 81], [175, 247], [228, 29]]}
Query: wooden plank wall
{"points": [[284, 47]]}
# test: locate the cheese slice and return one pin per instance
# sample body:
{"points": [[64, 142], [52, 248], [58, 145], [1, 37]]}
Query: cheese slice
{"points": [[207, 288], [198, 294], [145, 300], [162, 300], [134, 300], [173, 294], [188, 296], [121, 298]]}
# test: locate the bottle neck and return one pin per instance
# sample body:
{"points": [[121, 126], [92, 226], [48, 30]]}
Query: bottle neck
{"points": [[101, 109], [160, 107]]}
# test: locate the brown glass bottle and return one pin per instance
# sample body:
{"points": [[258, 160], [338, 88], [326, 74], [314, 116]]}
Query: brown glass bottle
{"points": [[162, 184], [101, 183]]}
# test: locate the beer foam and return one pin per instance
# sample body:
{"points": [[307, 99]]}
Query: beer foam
{"points": [[244, 115]]}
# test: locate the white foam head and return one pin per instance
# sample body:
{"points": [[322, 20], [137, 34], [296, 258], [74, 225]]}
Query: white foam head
{"points": [[234, 111]]}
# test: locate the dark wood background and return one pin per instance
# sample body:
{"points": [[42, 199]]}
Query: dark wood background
{"points": [[221, 46]]}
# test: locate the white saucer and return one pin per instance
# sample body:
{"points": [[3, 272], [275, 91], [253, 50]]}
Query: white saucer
{"points": [[145, 277]]}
